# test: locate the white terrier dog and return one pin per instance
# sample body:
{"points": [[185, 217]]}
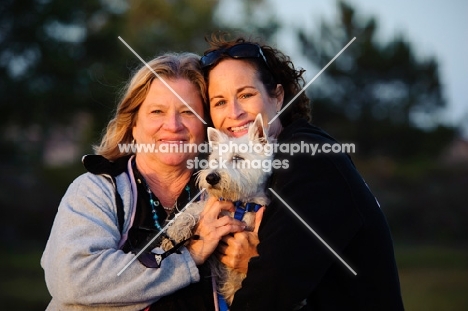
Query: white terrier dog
{"points": [[238, 172]]}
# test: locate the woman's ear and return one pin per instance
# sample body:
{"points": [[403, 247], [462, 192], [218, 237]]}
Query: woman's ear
{"points": [[134, 134], [279, 97]]}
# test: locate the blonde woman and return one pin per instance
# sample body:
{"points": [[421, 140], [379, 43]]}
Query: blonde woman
{"points": [[110, 213]]}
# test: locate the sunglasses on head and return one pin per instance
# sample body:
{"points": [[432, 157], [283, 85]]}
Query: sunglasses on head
{"points": [[241, 50]]}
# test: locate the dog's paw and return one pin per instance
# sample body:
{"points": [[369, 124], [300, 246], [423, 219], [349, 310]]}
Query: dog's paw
{"points": [[166, 244], [182, 227]]}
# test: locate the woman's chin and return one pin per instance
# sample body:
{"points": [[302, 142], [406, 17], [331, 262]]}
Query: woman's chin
{"points": [[175, 159]]}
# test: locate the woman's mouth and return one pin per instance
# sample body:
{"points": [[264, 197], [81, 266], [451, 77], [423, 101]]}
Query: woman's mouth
{"points": [[242, 128], [172, 141]]}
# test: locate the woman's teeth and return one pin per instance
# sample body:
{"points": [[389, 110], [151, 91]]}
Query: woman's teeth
{"points": [[241, 128]]}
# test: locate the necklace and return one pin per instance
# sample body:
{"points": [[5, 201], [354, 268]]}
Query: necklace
{"points": [[154, 203], [171, 208]]}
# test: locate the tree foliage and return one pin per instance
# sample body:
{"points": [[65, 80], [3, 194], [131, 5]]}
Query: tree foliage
{"points": [[58, 59], [378, 94]]}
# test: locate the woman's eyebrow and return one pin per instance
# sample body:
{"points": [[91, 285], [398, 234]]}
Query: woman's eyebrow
{"points": [[240, 89]]}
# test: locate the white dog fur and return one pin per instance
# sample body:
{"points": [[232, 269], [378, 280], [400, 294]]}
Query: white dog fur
{"points": [[238, 175]]}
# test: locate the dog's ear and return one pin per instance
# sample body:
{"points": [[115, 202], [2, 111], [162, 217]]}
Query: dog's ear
{"points": [[214, 136], [257, 131]]}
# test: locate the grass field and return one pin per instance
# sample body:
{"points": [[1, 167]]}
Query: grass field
{"points": [[432, 279], [22, 285]]}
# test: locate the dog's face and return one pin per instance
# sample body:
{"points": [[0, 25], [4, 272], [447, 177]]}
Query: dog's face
{"points": [[238, 167]]}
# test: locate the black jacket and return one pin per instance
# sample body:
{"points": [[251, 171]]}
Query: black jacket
{"points": [[293, 265]]}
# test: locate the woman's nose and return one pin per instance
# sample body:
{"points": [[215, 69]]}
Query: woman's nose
{"points": [[235, 110], [173, 122]]}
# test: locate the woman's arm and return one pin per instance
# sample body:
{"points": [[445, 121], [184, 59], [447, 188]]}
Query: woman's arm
{"points": [[81, 260]]}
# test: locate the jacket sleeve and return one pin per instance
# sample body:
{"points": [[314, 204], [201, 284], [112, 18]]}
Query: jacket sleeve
{"points": [[292, 260], [81, 259]]}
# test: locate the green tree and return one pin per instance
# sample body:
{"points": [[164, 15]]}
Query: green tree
{"points": [[61, 69], [58, 60], [380, 95], [154, 27], [249, 18]]}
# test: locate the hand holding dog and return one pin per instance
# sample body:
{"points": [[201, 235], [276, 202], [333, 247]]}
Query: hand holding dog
{"points": [[211, 229], [235, 250]]}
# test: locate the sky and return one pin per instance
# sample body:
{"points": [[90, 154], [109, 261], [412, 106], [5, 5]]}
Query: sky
{"points": [[435, 28]]}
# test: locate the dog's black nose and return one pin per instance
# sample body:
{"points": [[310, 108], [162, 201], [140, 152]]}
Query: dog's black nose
{"points": [[212, 178]]}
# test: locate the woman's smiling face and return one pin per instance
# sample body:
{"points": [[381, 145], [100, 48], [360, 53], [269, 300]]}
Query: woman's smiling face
{"points": [[163, 119], [236, 95]]}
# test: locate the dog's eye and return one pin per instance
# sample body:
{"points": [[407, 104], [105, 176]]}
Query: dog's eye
{"points": [[237, 158]]}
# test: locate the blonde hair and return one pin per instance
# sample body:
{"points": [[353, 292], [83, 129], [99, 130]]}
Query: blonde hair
{"points": [[170, 66]]}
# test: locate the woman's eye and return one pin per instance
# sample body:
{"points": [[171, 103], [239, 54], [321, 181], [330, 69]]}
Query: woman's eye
{"points": [[246, 95], [237, 158], [219, 103], [156, 111]]}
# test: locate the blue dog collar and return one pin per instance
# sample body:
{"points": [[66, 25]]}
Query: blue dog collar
{"points": [[241, 208]]}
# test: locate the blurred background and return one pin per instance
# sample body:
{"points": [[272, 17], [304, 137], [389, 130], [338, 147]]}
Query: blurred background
{"points": [[397, 93]]}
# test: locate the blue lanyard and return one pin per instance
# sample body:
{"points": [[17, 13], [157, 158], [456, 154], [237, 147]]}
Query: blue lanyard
{"points": [[222, 303]]}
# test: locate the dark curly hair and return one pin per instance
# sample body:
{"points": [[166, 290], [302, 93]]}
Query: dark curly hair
{"points": [[279, 70]]}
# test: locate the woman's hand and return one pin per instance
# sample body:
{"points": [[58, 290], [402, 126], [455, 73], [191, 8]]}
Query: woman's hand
{"points": [[235, 250], [211, 229]]}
